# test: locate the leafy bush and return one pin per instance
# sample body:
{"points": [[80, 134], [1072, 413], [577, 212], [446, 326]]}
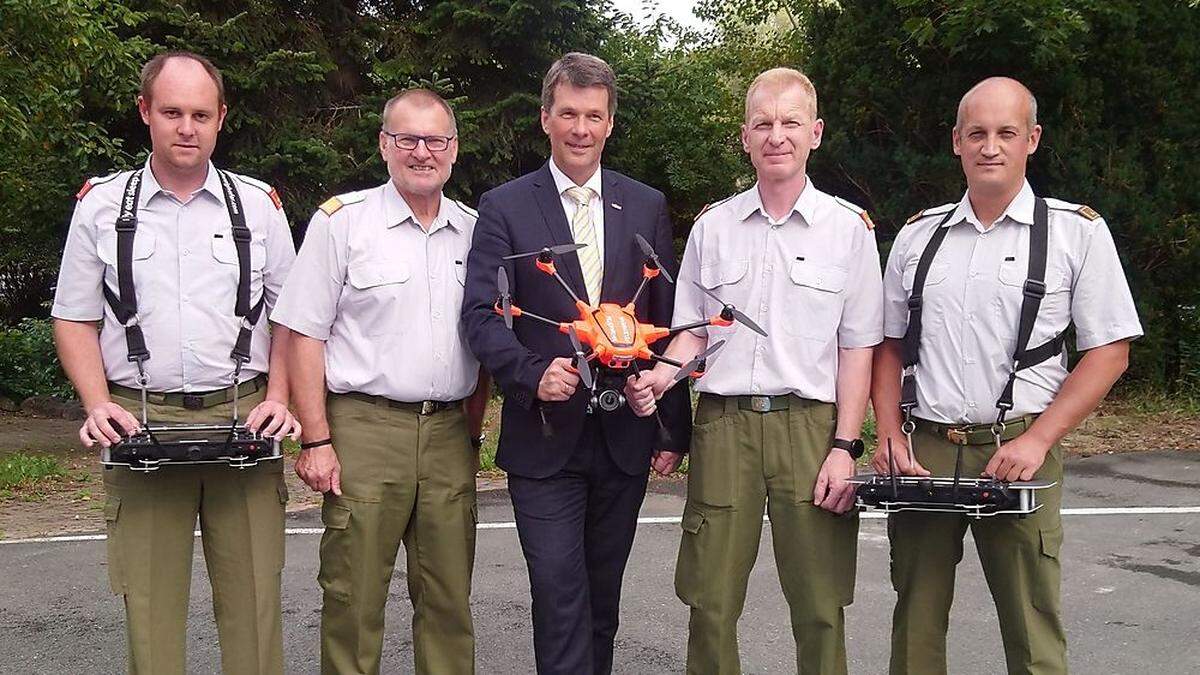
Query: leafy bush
{"points": [[28, 363]]}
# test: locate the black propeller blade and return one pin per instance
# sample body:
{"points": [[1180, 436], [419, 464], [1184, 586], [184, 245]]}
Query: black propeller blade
{"points": [[649, 251], [733, 312], [690, 367], [581, 362], [560, 249], [505, 298]]}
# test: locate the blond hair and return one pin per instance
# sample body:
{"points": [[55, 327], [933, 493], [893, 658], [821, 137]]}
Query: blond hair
{"points": [[781, 78]]}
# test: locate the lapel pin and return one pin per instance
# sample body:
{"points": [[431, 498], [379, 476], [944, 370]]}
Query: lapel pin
{"points": [[615, 205]]}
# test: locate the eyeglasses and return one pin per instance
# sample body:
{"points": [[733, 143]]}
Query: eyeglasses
{"points": [[411, 141]]}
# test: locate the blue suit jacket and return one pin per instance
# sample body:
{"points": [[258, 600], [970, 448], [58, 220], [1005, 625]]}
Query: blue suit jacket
{"points": [[526, 214]]}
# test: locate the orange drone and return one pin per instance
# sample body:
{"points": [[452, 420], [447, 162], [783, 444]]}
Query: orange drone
{"points": [[614, 337]]}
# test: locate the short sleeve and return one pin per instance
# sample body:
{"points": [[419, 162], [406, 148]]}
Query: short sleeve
{"points": [[689, 301], [79, 294], [862, 310], [309, 299], [895, 298], [1102, 306]]}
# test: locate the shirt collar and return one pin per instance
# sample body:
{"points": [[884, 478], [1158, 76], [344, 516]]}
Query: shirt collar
{"points": [[562, 183], [1019, 210], [396, 210], [151, 187], [750, 201]]}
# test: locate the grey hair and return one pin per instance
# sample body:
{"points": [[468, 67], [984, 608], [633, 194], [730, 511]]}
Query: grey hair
{"points": [[423, 98], [580, 70]]}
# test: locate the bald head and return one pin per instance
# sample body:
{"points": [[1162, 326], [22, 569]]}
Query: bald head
{"points": [[995, 90]]}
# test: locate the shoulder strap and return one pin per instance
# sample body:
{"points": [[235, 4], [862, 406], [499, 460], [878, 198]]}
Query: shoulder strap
{"points": [[124, 306], [241, 240], [1034, 291], [910, 347]]}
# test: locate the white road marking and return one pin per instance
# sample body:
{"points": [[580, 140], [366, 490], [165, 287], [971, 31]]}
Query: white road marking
{"points": [[674, 520]]}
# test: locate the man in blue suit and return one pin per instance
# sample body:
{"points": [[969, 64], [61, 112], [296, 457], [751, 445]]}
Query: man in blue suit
{"points": [[577, 476]]}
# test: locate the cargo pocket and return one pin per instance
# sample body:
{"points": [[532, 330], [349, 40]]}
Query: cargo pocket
{"points": [[689, 570], [712, 465], [1046, 584], [334, 575], [112, 515]]}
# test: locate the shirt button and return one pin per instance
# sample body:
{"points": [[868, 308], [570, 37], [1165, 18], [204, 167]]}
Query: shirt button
{"points": [[767, 268], [186, 299], [187, 251], [974, 274], [969, 316], [970, 404], [755, 387]]}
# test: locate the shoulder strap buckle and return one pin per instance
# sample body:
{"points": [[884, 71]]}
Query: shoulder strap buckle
{"points": [[1035, 289], [241, 234], [126, 222]]}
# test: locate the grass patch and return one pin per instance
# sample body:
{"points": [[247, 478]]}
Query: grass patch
{"points": [[20, 471]]}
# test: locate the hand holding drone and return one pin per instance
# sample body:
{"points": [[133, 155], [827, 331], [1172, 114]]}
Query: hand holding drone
{"points": [[609, 337]]}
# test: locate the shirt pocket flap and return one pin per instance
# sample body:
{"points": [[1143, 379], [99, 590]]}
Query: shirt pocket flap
{"points": [[143, 246], [1014, 273], [820, 277], [372, 274], [723, 272]]}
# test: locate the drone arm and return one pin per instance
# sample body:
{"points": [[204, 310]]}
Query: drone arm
{"points": [[663, 359], [696, 324]]}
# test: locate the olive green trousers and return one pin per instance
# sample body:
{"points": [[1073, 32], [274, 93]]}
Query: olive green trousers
{"points": [[1020, 558], [405, 478], [150, 519], [742, 461]]}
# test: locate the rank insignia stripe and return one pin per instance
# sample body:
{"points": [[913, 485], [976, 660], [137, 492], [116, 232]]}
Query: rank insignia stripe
{"points": [[914, 217], [1088, 212], [87, 186], [330, 206], [274, 195], [867, 219]]}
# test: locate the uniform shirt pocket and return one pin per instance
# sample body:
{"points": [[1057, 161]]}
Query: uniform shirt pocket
{"points": [[815, 300], [378, 295], [726, 280], [143, 246], [1054, 312], [144, 243]]}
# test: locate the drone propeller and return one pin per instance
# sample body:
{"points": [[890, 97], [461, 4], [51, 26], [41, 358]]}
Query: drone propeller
{"points": [[648, 250], [729, 311], [690, 367], [505, 298], [581, 362], [560, 249]]}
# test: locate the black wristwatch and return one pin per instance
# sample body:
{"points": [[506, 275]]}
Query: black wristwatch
{"points": [[854, 447], [477, 442]]}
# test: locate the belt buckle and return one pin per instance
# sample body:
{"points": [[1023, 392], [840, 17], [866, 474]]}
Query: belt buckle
{"points": [[428, 407], [760, 404], [193, 402], [956, 436]]}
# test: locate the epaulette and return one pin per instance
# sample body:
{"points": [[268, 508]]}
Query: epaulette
{"points": [[1081, 209], [466, 209], [93, 182], [937, 210], [262, 186], [859, 211], [707, 207], [333, 204]]}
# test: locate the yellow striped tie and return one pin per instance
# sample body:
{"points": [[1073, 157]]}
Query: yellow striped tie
{"points": [[585, 233]]}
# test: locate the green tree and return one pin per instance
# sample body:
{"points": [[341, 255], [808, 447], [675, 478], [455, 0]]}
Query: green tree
{"points": [[65, 74]]}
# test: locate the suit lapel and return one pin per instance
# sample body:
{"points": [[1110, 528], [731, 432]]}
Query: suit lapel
{"points": [[550, 203], [616, 239]]}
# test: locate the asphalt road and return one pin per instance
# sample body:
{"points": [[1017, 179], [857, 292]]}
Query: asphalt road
{"points": [[1131, 591]]}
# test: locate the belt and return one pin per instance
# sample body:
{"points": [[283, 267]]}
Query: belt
{"points": [[762, 404], [418, 407], [977, 434], [194, 400]]}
